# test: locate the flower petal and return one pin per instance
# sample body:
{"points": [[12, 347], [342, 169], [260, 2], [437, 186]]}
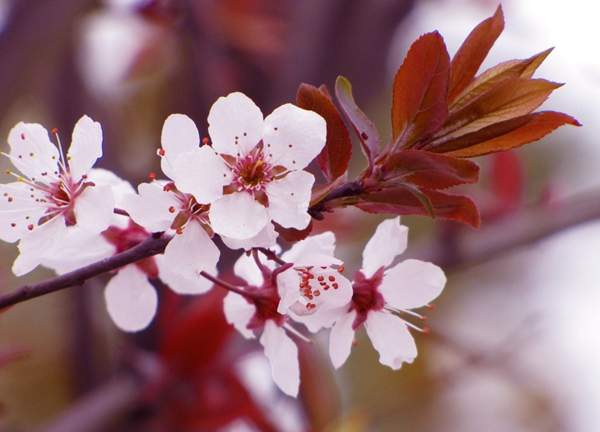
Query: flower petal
{"points": [[289, 198], [94, 208], [17, 210], [185, 257], [32, 152], [179, 135], [130, 299], [391, 338], [202, 173], [389, 241], [121, 189], [238, 216], [86, 147], [314, 250], [238, 312], [282, 353], [151, 207], [341, 339], [412, 284], [293, 136], [266, 238], [43, 241], [235, 124], [246, 269]]}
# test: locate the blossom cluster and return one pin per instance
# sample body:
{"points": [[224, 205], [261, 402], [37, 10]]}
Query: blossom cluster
{"points": [[243, 183]]}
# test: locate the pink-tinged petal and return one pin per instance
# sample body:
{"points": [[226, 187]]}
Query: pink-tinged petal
{"points": [[121, 189], [235, 124], [391, 338], [130, 299], [412, 284], [185, 257], [289, 198], [341, 339], [86, 147], [45, 240], [246, 269], [266, 238], [293, 136], [314, 250], [152, 207], [387, 243], [238, 312], [179, 135], [202, 173], [282, 353], [238, 216], [32, 152], [94, 208], [18, 210]]}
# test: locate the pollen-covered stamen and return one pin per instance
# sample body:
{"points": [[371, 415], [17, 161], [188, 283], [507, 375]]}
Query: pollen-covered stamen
{"points": [[252, 172], [188, 209], [314, 284], [402, 312]]}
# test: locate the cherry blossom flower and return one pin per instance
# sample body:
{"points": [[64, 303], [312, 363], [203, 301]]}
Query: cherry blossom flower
{"points": [[381, 292], [254, 171], [169, 205]]}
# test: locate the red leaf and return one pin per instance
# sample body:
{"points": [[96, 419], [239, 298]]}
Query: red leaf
{"points": [[335, 157], [419, 101], [507, 181], [536, 126], [473, 51], [365, 129], [293, 235], [404, 201], [429, 170]]}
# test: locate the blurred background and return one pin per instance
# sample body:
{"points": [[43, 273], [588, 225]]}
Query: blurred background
{"points": [[515, 341]]}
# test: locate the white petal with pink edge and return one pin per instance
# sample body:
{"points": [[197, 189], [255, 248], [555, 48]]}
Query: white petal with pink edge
{"points": [[235, 124], [152, 207], [391, 338], [238, 216], [86, 147], [412, 284], [202, 173], [389, 241], [289, 198], [32, 152], [341, 339], [282, 353], [179, 135], [293, 137], [130, 299], [238, 312], [185, 257]]}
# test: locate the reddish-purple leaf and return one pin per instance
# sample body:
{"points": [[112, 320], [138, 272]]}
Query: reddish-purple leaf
{"points": [[419, 101], [335, 156], [293, 235], [363, 126], [469, 57]]}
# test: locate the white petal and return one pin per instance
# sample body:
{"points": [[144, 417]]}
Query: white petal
{"points": [[130, 299], [238, 312], [235, 124], [86, 147], [341, 339], [245, 268], [282, 353], [314, 250], [412, 284], [151, 207], [32, 152], [18, 208], [121, 189], [238, 216], [289, 199], [44, 240], [387, 243], [202, 173], [391, 339], [94, 208], [266, 238], [185, 257], [293, 136], [179, 135]]}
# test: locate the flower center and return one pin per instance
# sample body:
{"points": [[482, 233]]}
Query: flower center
{"points": [[314, 281], [366, 296], [188, 209], [252, 172]]}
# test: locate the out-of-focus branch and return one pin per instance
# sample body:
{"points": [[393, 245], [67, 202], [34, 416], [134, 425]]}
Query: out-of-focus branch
{"points": [[521, 229], [154, 245]]}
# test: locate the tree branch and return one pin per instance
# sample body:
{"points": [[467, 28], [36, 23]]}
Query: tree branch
{"points": [[153, 245]]}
